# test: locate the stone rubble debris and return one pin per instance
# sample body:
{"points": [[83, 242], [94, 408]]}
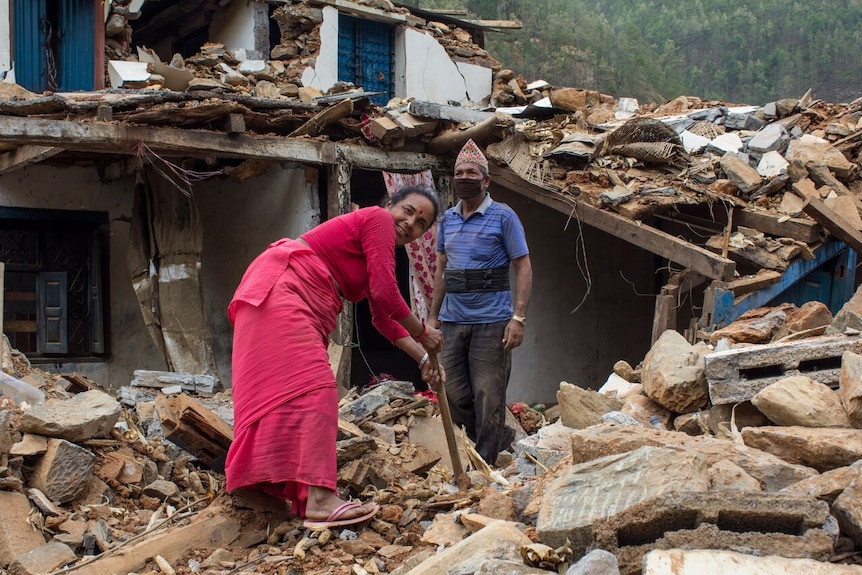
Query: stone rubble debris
{"points": [[603, 483]]}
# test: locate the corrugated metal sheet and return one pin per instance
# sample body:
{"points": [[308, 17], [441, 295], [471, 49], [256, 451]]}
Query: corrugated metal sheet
{"points": [[27, 51], [366, 56], [76, 45]]}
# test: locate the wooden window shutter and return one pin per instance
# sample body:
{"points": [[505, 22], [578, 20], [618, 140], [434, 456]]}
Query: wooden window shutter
{"points": [[52, 294]]}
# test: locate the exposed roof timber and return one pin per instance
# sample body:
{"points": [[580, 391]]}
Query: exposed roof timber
{"points": [[121, 139], [369, 12], [24, 156], [448, 17], [660, 243], [497, 24]]}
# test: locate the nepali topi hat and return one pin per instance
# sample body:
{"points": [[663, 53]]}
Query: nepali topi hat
{"points": [[472, 154]]}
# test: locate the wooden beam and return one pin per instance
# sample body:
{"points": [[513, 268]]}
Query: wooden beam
{"points": [[24, 156], [499, 24], [832, 221], [752, 283], [800, 229], [122, 139], [660, 243], [664, 317], [323, 118], [338, 199]]}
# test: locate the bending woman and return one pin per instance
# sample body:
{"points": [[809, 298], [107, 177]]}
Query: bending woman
{"points": [[284, 391]]}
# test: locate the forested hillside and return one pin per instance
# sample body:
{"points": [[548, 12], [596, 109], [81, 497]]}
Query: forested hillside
{"points": [[743, 51]]}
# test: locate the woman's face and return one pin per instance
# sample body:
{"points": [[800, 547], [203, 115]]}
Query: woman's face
{"points": [[413, 216]]}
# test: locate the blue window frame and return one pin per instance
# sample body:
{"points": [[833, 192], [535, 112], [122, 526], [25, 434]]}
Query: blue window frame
{"points": [[366, 56]]}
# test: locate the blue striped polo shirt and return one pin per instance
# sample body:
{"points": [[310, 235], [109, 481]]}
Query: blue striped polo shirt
{"points": [[491, 237]]}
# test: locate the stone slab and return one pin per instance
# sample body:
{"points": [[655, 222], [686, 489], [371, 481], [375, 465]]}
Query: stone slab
{"points": [[17, 536]]}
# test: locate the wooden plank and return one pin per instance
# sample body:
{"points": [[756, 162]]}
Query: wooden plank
{"points": [[194, 428], [664, 317], [804, 230], [758, 281], [660, 243], [323, 118], [498, 24], [21, 326], [214, 528], [832, 221], [123, 139], [26, 156]]}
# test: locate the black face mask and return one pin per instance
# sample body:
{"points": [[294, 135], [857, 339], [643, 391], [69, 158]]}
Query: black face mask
{"points": [[467, 188]]}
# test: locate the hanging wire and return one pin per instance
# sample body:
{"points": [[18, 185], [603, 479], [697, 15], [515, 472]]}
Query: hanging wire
{"points": [[179, 175], [50, 63], [580, 257]]}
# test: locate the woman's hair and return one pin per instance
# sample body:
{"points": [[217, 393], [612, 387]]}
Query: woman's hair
{"points": [[402, 194]]}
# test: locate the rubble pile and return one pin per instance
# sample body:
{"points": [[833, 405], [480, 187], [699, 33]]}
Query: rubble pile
{"points": [[699, 452], [214, 68]]}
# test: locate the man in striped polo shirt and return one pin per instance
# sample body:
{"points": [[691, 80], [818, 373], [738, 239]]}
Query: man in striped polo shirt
{"points": [[482, 323]]}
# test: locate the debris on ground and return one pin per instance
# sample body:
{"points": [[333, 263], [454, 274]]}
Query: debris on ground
{"points": [[690, 456]]}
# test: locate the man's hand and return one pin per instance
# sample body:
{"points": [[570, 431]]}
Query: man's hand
{"points": [[433, 321], [514, 335], [433, 377], [433, 340]]}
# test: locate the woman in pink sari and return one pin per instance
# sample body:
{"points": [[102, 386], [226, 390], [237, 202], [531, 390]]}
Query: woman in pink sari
{"points": [[284, 392]]}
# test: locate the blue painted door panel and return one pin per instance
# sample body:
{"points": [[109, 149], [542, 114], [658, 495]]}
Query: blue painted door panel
{"points": [[365, 56], [77, 45], [27, 52]]}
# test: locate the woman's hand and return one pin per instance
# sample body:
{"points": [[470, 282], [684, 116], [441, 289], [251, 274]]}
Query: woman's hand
{"points": [[433, 341], [433, 377]]}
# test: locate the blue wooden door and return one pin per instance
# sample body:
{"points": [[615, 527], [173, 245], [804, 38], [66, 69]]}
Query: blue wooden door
{"points": [[365, 56]]}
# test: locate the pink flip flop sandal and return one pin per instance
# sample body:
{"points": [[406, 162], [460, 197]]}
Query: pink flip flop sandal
{"points": [[334, 518]]}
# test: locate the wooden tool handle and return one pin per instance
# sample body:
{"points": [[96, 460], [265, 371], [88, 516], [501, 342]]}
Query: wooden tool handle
{"points": [[443, 402]]}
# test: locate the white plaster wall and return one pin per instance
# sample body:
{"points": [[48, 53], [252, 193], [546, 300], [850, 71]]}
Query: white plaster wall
{"points": [[5, 36], [238, 220], [428, 72], [324, 74], [613, 323], [234, 27], [477, 79]]}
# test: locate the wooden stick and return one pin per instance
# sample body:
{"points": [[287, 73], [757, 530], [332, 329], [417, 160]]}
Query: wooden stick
{"points": [[457, 469]]}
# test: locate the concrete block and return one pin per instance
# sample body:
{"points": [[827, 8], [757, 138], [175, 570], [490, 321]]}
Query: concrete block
{"points": [[762, 523], [17, 536], [707, 562], [736, 375]]}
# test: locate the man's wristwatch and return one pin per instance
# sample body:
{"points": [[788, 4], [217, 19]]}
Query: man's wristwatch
{"points": [[520, 319]]}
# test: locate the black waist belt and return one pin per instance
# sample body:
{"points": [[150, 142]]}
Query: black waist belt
{"points": [[476, 281]]}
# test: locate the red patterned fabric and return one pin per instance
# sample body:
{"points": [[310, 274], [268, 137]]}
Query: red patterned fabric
{"points": [[420, 253]]}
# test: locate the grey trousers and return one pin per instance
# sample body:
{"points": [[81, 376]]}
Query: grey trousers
{"points": [[477, 374]]}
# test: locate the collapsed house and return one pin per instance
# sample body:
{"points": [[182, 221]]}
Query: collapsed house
{"points": [[136, 189], [224, 126]]}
